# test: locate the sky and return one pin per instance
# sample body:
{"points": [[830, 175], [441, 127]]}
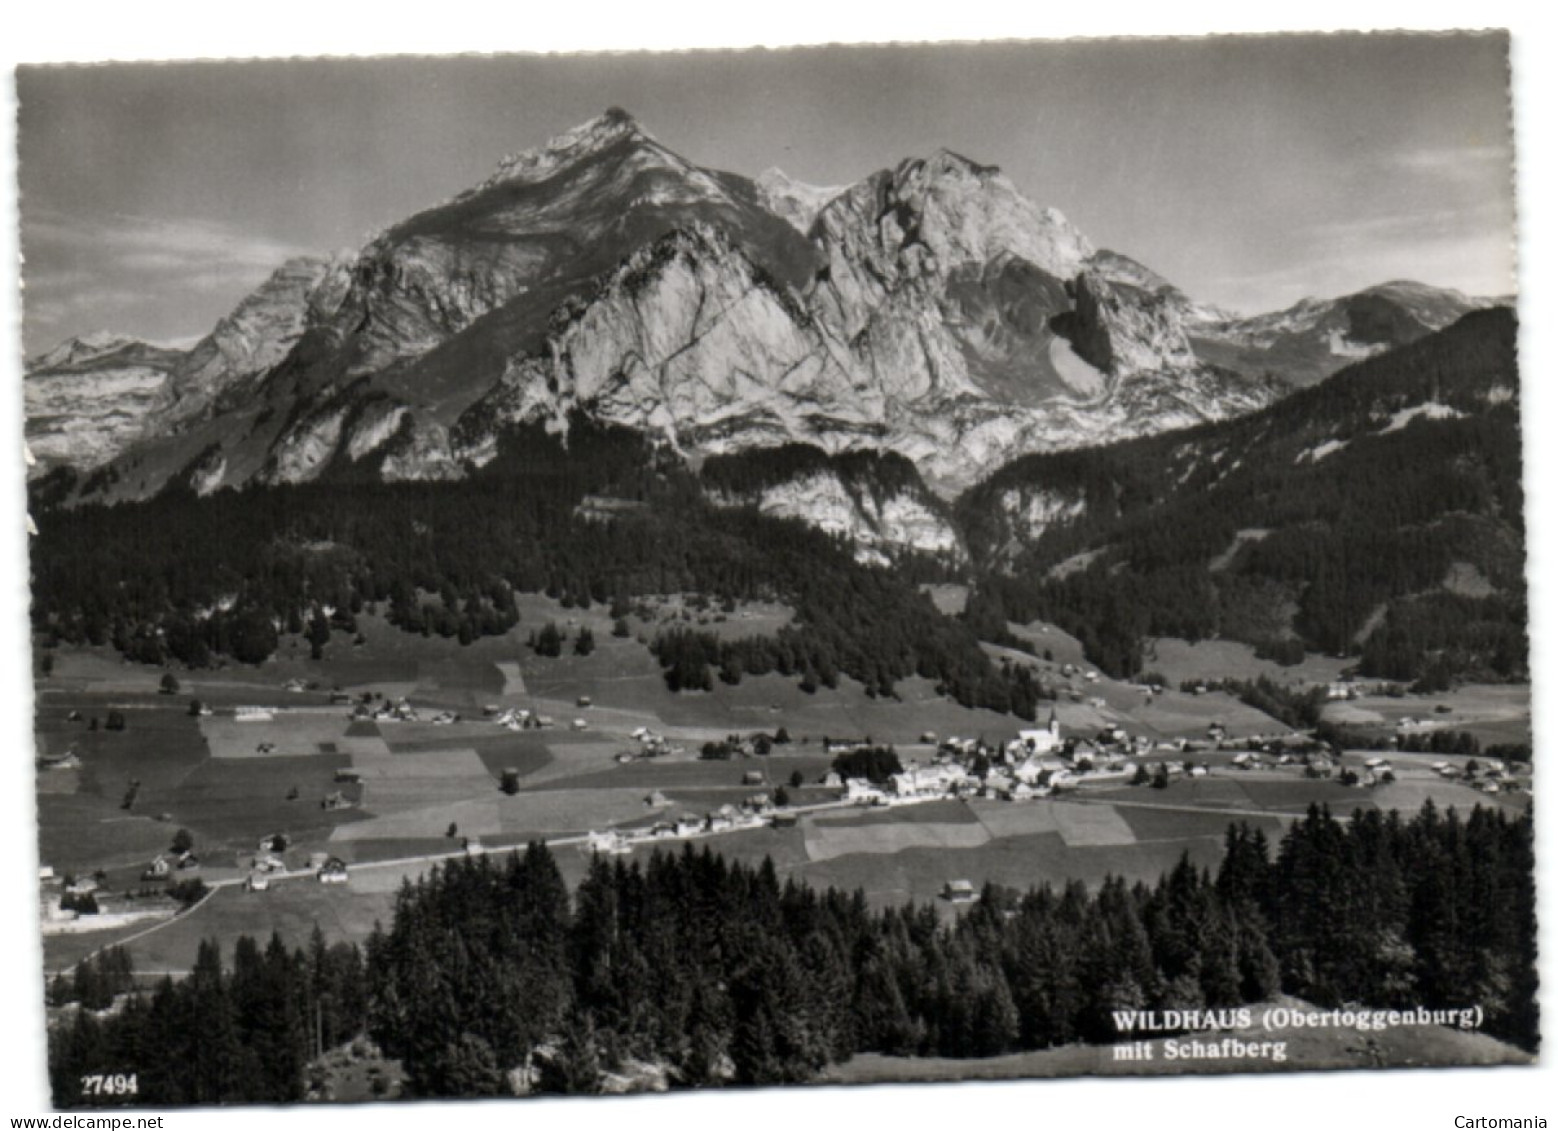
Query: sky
{"points": [[1251, 171]]}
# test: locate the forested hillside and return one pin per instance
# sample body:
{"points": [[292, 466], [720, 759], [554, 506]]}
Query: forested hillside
{"points": [[1378, 514], [722, 974], [190, 580]]}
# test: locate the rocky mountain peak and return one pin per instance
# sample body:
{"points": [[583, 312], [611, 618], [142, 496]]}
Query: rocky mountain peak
{"points": [[261, 330], [967, 212], [532, 166], [930, 309], [794, 201], [80, 350]]}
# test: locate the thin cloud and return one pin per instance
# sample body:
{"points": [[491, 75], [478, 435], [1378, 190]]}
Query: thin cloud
{"points": [[80, 273], [1453, 160]]}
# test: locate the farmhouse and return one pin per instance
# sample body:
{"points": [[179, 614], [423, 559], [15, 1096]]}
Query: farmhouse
{"points": [[928, 781], [608, 843], [844, 745], [862, 792], [1034, 770], [959, 891]]}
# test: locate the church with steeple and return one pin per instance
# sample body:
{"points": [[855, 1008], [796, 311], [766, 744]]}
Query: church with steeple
{"points": [[1045, 741]]}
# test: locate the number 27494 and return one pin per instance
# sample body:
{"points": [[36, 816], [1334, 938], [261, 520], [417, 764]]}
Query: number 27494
{"points": [[117, 1084]]}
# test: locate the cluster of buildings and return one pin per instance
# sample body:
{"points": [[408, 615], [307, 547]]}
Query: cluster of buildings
{"points": [[753, 812], [650, 745], [400, 711], [163, 867], [1491, 775], [517, 718], [268, 865], [76, 903], [1035, 764]]}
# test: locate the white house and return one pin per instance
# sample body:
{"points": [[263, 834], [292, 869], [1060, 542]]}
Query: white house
{"points": [[862, 792], [608, 843], [924, 781]]}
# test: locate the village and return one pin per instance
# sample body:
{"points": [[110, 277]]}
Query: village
{"points": [[1031, 765]]}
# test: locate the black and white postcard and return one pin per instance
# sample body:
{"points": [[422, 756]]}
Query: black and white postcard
{"points": [[602, 574]]}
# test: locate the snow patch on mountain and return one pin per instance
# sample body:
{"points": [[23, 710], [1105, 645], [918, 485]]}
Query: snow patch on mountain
{"points": [[1320, 451], [1431, 410], [1034, 510], [794, 201]]}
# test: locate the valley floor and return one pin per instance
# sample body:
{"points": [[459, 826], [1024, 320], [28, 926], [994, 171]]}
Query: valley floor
{"points": [[416, 791]]}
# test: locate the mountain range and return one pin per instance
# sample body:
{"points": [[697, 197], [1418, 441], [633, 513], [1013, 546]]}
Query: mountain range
{"points": [[929, 310], [1376, 513]]}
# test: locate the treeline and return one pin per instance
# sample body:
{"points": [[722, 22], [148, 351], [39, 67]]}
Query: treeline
{"points": [[196, 579], [96, 981], [720, 973], [855, 643], [222, 1035], [1296, 707], [1238, 529], [876, 764], [725, 974]]}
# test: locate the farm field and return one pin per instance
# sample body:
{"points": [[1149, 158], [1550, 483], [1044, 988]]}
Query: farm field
{"points": [[414, 790], [1178, 660], [1494, 713]]}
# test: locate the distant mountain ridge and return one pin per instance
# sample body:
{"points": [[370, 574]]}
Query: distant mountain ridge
{"points": [[929, 310], [1377, 513], [1315, 337]]}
